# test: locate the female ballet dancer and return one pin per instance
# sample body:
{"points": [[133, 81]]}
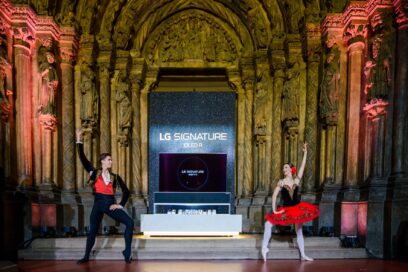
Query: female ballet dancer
{"points": [[293, 211]]}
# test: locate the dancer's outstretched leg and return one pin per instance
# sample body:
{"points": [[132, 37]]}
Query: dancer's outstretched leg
{"points": [[266, 237], [301, 242]]}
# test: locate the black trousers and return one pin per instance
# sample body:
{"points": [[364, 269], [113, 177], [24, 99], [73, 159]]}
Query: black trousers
{"points": [[101, 207]]}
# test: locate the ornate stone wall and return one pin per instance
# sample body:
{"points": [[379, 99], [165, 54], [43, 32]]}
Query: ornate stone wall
{"points": [[322, 72]]}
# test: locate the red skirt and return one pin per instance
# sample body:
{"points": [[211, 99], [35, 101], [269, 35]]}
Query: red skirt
{"points": [[300, 213]]}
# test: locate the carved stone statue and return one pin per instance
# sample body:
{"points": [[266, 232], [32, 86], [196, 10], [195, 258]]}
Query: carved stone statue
{"points": [[258, 28], [380, 73], [49, 84], [291, 94], [329, 87], [5, 106], [89, 98], [124, 105]]}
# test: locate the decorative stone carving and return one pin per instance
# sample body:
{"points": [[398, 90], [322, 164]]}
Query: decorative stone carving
{"points": [[378, 67], [329, 87], [191, 37], [124, 107], [49, 81], [22, 34], [355, 33], [295, 13], [66, 15], [258, 28], [290, 94], [5, 106], [89, 98], [262, 103], [48, 122]]}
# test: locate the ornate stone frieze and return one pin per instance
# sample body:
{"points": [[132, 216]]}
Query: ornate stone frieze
{"points": [[188, 38], [355, 11]]}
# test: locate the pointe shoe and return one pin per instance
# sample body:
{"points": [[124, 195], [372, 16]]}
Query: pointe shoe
{"points": [[264, 252], [305, 258], [83, 260], [128, 259]]}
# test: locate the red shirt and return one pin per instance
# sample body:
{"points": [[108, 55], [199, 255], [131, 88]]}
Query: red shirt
{"points": [[102, 188]]}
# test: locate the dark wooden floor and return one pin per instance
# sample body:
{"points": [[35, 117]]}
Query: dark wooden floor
{"points": [[217, 266]]}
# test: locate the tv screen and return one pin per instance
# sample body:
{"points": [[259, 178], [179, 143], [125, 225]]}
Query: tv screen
{"points": [[197, 172]]}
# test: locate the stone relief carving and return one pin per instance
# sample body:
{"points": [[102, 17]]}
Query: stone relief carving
{"points": [[258, 28], [5, 106], [89, 98], [262, 103], [329, 87], [290, 93], [295, 13], [124, 106], [378, 67], [66, 15], [49, 81], [191, 37]]}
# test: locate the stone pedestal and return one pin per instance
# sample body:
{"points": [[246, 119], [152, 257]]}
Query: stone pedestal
{"points": [[329, 208]]}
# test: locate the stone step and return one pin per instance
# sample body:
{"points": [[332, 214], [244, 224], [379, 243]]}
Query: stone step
{"points": [[179, 248], [140, 241]]}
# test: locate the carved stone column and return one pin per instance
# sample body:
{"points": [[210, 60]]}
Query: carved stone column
{"points": [[313, 38], [262, 127], [149, 84], [68, 47], [236, 85], [332, 121], [48, 124], [104, 60], [248, 85], [355, 38], [22, 60], [136, 79]]}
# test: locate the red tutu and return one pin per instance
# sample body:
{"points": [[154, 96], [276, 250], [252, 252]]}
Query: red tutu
{"points": [[300, 213]]}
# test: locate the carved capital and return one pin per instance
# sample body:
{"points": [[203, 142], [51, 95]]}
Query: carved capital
{"points": [[355, 33], [291, 129], [67, 55], [48, 122], [4, 26], [23, 35], [376, 107]]}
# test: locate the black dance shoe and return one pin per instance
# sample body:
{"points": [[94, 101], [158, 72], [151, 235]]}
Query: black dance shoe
{"points": [[128, 259], [83, 260]]}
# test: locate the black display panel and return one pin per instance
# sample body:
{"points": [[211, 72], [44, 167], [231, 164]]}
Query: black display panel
{"points": [[192, 172]]}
